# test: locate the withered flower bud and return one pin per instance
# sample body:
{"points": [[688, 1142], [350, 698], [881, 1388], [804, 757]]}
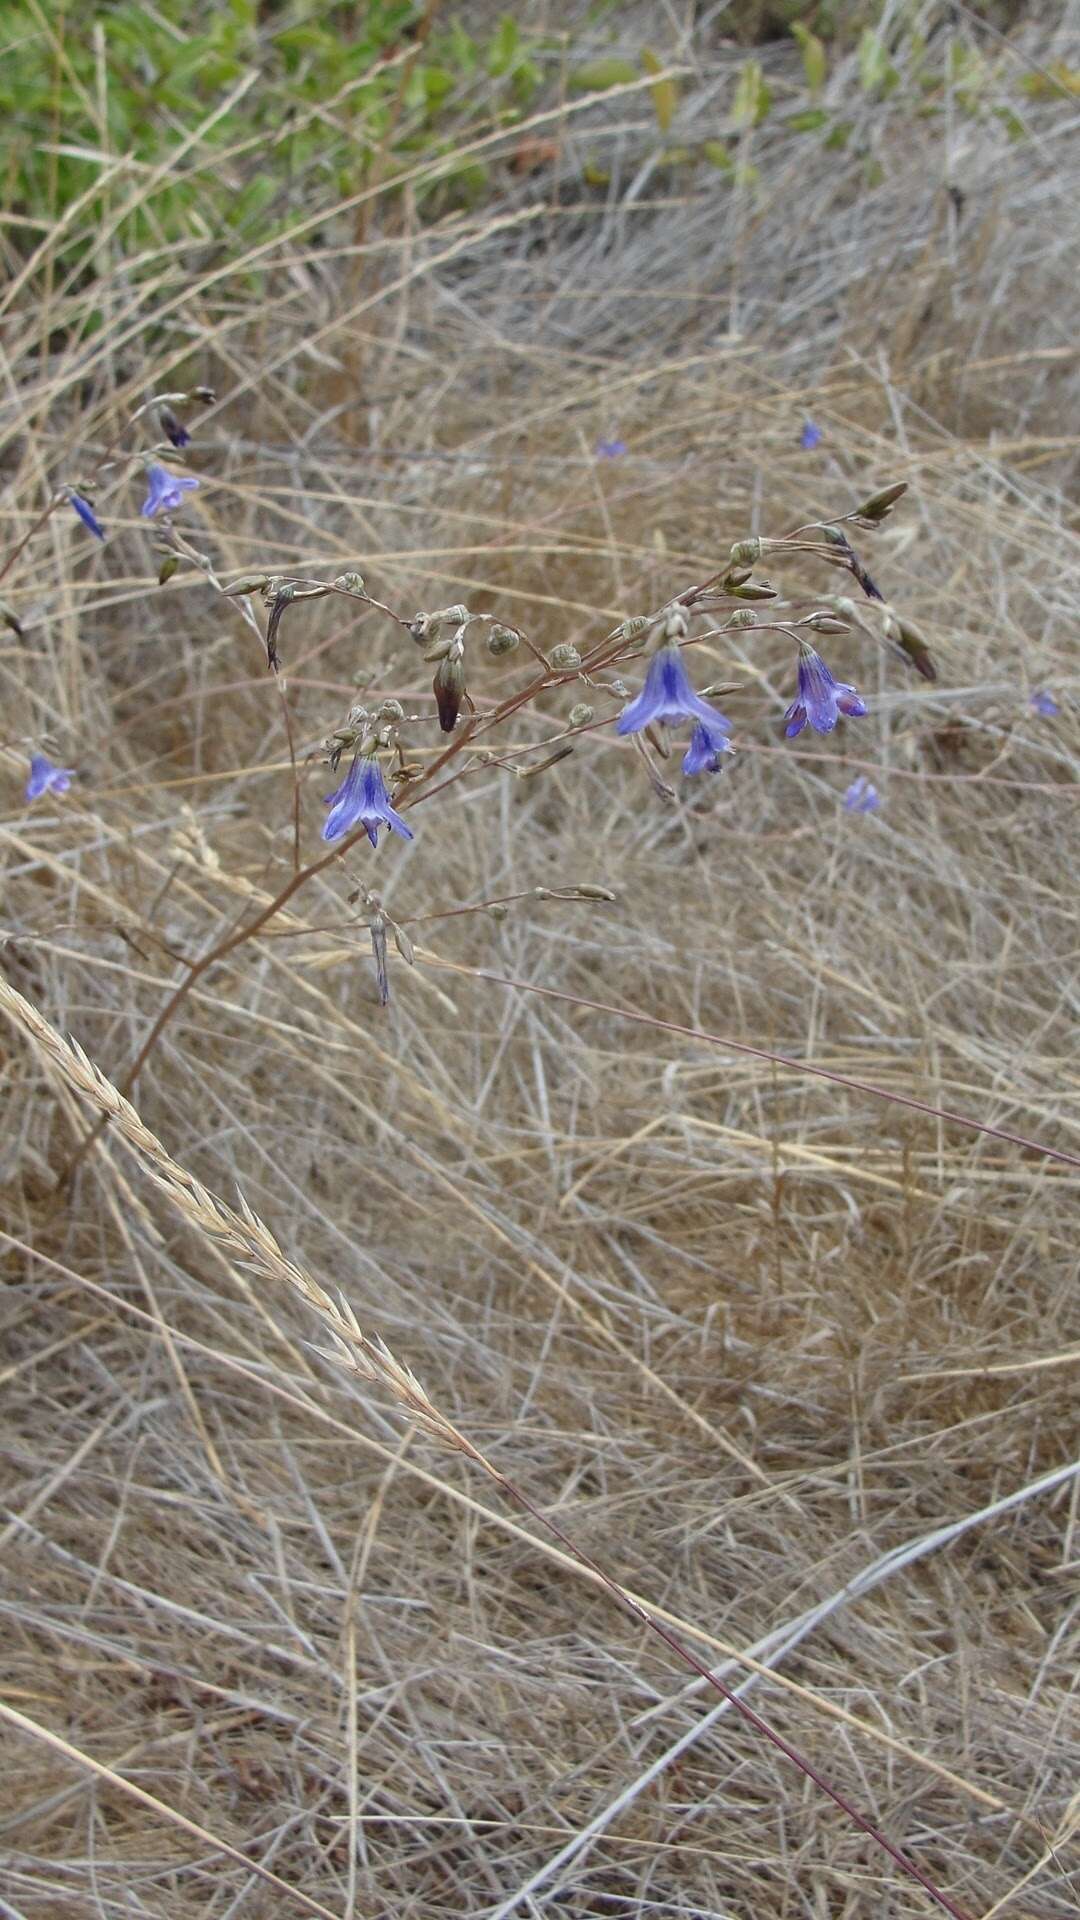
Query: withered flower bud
{"points": [[11, 619], [173, 428], [448, 687]]}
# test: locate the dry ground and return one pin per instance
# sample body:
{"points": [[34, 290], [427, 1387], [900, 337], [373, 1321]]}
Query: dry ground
{"points": [[752, 1338]]}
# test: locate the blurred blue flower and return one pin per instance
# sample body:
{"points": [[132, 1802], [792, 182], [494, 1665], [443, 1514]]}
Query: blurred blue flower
{"points": [[862, 796], [87, 515], [1045, 704], [45, 778], [362, 801], [821, 698], [175, 428], [811, 436], [166, 490], [668, 697], [610, 449]]}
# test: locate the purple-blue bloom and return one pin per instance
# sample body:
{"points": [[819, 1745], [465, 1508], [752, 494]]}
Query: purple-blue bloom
{"points": [[862, 796], [668, 697], [821, 698], [362, 801], [87, 515], [811, 436], [707, 743], [166, 490], [610, 449], [175, 428], [1045, 704], [45, 778]]}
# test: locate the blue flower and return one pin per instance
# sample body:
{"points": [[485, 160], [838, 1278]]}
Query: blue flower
{"points": [[45, 778], [362, 801], [1045, 704], [87, 515], [610, 449], [811, 436], [166, 490], [707, 742], [862, 796], [821, 698], [668, 697]]}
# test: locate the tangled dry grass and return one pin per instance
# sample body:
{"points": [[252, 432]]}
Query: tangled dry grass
{"points": [[796, 1364]]}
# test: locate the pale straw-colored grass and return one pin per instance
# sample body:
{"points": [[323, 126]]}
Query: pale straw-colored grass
{"points": [[797, 1366]]}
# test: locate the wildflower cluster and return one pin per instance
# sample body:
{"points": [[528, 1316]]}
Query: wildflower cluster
{"points": [[373, 751]]}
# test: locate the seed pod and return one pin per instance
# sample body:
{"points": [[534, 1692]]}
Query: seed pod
{"points": [[167, 568], [580, 715], [350, 582], [502, 640], [882, 502], [565, 658], [448, 687], [247, 583]]}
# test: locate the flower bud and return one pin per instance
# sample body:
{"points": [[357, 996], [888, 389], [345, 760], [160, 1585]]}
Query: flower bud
{"points": [[745, 552], [580, 715], [502, 640], [882, 502], [450, 616], [167, 568], [248, 583], [173, 428], [448, 687], [742, 617], [439, 649], [350, 582], [631, 628], [754, 590], [911, 642], [404, 945], [204, 394], [587, 891], [391, 710], [565, 658], [498, 910], [736, 577], [826, 623]]}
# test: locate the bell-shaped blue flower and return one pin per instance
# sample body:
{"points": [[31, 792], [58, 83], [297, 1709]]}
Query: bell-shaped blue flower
{"points": [[862, 796], [362, 801], [821, 698], [87, 515], [1044, 703], [668, 697], [166, 490], [811, 436], [45, 778], [707, 742]]}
